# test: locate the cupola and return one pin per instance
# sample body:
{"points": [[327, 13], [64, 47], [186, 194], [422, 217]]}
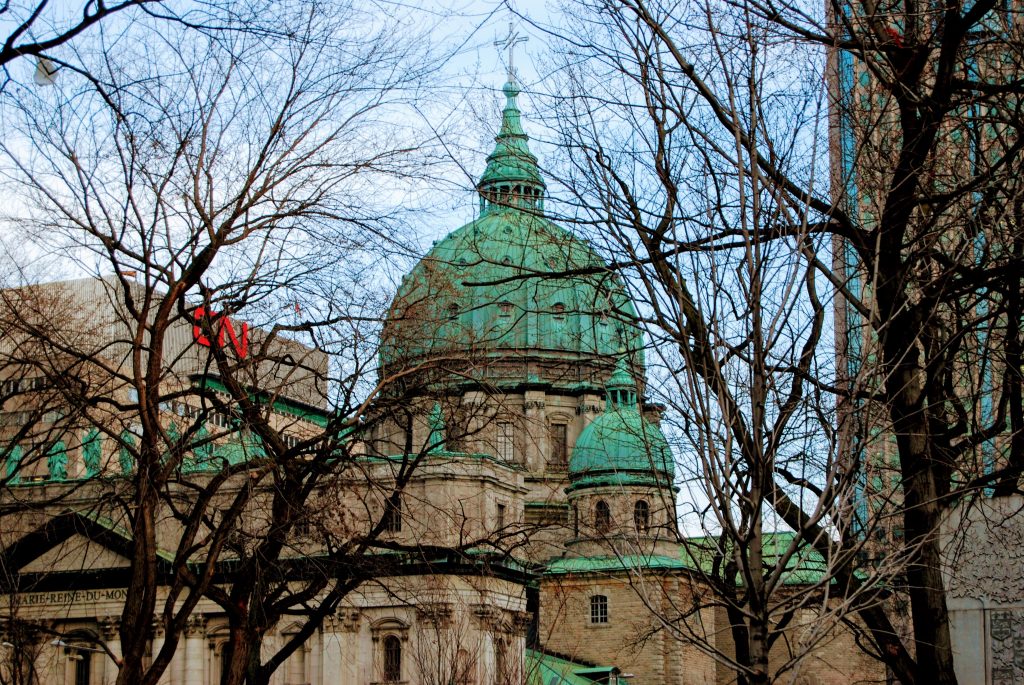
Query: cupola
{"points": [[512, 298], [620, 447], [512, 178]]}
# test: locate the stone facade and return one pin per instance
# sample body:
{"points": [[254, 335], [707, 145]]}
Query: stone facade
{"points": [[983, 545]]}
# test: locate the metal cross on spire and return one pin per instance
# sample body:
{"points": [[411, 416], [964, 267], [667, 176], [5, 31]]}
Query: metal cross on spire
{"points": [[509, 43]]}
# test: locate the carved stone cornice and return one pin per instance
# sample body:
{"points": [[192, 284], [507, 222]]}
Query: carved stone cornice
{"points": [[489, 616], [521, 621], [344, 621], [438, 614]]}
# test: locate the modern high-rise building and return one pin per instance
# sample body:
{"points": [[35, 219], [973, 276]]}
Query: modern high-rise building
{"points": [[923, 136]]}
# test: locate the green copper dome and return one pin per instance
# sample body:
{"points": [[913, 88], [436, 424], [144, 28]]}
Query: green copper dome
{"points": [[512, 295], [621, 447]]}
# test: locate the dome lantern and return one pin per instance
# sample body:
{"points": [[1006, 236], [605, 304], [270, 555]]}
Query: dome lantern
{"points": [[512, 178], [512, 298], [621, 387]]}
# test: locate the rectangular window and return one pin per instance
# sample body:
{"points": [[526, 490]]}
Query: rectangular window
{"points": [[599, 609], [506, 442], [559, 438], [501, 516]]}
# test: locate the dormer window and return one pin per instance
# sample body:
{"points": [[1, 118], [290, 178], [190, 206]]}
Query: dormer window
{"points": [[558, 311], [505, 308]]}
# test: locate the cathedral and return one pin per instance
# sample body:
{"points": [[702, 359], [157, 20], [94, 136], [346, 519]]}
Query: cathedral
{"points": [[520, 362]]}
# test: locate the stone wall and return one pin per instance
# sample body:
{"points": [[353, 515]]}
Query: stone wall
{"points": [[983, 550]]}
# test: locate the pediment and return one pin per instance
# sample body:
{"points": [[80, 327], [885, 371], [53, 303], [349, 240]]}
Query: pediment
{"points": [[71, 542], [76, 553]]}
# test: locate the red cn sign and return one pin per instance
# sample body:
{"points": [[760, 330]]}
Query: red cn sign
{"points": [[225, 331]]}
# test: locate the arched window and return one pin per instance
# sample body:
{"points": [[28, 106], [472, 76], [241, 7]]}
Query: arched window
{"points": [[558, 311], [83, 667], [642, 516], [392, 659], [599, 609], [393, 514], [602, 516], [558, 435], [225, 659]]}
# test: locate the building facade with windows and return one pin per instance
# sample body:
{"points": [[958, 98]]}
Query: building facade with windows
{"points": [[528, 365]]}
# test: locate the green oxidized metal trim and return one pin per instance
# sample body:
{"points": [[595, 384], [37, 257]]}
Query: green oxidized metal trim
{"points": [[511, 162]]}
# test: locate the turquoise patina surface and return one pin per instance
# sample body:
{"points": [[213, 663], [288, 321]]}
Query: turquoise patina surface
{"points": [[512, 283], [621, 447]]}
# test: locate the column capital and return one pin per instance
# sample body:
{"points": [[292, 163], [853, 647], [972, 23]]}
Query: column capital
{"points": [[196, 626], [110, 627]]}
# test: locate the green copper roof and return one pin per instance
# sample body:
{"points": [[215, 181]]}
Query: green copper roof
{"points": [[620, 447], [547, 669], [613, 565], [496, 288], [511, 176], [492, 289]]}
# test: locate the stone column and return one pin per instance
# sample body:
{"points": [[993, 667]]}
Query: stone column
{"points": [[110, 632], [339, 655], [314, 655], [537, 451], [158, 644], [195, 652]]}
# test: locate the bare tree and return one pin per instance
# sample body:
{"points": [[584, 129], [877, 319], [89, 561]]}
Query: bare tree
{"points": [[227, 189], [697, 137]]}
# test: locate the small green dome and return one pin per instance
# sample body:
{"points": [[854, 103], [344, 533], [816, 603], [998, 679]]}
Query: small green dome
{"points": [[498, 289], [620, 447]]}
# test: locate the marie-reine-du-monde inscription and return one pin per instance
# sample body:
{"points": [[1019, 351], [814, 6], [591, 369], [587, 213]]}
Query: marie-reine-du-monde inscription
{"points": [[1006, 633], [70, 597]]}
